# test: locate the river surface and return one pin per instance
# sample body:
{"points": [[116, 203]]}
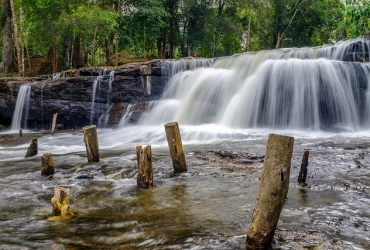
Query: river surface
{"points": [[209, 207]]}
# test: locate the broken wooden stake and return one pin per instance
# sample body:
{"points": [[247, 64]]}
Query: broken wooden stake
{"points": [[303, 171], [91, 142], [145, 169], [32, 149], [54, 123], [272, 191], [60, 201], [175, 146], [47, 165], [20, 133]]}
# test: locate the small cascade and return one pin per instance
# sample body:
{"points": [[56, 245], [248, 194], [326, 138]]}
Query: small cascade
{"points": [[42, 106], [60, 75], [111, 79], [96, 88], [103, 120], [126, 115], [172, 68], [21, 108]]}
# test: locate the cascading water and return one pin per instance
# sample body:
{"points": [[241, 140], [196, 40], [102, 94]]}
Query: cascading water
{"points": [[111, 79], [21, 107], [283, 89], [126, 115], [96, 87]]}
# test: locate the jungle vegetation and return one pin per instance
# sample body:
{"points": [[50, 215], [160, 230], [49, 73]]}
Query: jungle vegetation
{"points": [[77, 33]]}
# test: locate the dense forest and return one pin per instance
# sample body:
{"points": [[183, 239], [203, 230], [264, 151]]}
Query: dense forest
{"points": [[77, 33]]}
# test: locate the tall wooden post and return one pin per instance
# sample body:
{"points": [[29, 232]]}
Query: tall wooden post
{"points": [[60, 201], [175, 146], [273, 188], [20, 133], [91, 142], [303, 171], [32, 149], [54, 123], [47, 165], [145, 169]]}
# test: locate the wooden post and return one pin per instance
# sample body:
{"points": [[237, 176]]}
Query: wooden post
{"points": [[47, 165], [60, 201], [20, 133], [91, 142], [145, 169], [303, 171], [273, 188], [32, 149], [175, 146], [54, 123]]}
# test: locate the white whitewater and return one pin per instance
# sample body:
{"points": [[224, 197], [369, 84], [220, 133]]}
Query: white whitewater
{"points": [[300, 89], [21, 108], [96, 88]]}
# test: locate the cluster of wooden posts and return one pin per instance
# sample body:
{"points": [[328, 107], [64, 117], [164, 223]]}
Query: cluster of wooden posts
{"points": [[272, 192]]}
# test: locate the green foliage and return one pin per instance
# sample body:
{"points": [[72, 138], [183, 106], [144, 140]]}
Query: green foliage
{"points": [[358, 18], [169, 28]]}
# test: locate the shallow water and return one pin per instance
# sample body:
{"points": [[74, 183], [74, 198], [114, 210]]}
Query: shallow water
{"points": [[209, 207]]}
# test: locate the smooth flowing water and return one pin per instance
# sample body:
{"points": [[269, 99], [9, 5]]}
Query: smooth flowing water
{"points": [[226, 108], [209, 207], [21, 108]]}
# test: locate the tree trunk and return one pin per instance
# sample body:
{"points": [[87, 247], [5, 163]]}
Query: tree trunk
{"points": [[249, 29], [16, 38], [107, 55], [77, 53], [54, 53], [47, 165], [60, 201], [8, 58], [175, 146], [145, 169], [93, 48], [303, 171], [32, 149], [91, 142], [272, 191]]}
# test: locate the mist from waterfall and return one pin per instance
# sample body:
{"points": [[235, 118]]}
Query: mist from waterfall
{"points": [[21, 108], [300, 89]]}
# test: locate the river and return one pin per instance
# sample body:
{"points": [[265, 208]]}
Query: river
{"points": [[209, 207]]}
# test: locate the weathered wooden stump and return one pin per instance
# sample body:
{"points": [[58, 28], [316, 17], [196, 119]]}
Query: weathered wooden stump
{"points": [[20, 133], [32, 149], [145, 169], [303, 171], [60, 201], [47, 165], [91, 142], [175, 146], [273, 188], [54, 123]]}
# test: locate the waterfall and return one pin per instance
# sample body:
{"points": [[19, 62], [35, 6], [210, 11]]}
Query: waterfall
{"points": [[21, 107], [300, 89], [111, 79], [126, 115], [96, 87], [59, 75]]}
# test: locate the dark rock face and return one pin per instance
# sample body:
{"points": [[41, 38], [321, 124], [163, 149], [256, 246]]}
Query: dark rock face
{"points": [[71, 96]]}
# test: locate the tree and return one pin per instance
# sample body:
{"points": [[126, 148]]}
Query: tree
{"points": [[6, 26], [358, 17]]}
